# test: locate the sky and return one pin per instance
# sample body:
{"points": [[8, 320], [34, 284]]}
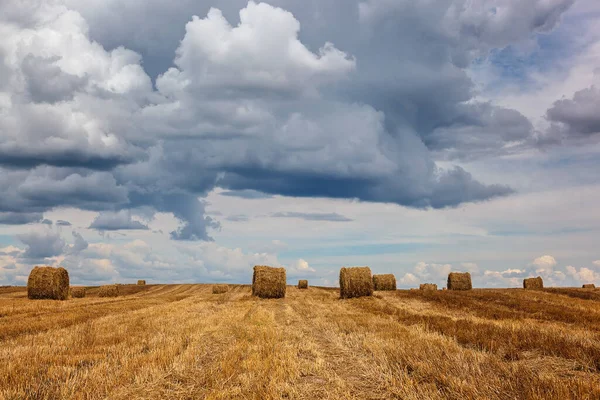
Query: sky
{"points": [[189, 141]]}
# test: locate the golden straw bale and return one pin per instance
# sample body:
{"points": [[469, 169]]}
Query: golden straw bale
{"points": [[459, 281], [268, 282], [218, 289], [78, 292], [533, 283], [141, 282], [384, 282], [48, 283], [355, 282], [428, 286], [108, 291], [302, 284], [589, 286]]}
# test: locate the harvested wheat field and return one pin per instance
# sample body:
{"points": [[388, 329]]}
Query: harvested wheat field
{"points": [[182, 342]]}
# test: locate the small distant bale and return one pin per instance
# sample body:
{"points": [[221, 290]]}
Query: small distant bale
{"points": [[78, 292], [533, 283], [46, 282], [589, 286], [459, 281], [355, 282], [141, 282], [427, 286], [444, 289], [268, 282], [384, 282], [109, 291], [302, 284], [218, 289]]}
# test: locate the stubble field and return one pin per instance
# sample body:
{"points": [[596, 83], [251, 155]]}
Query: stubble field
{"points": [[183, 342]]}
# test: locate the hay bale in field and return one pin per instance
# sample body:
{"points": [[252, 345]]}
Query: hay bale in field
{"points": [[48, 283], [444, 289], [459, 281], [355, 282], [427, 286], [533, 283], [268, 282], [141, 282], [218, 289], [384, 282], [589, 286], [302, 284], [77, 292], [109, 291]]}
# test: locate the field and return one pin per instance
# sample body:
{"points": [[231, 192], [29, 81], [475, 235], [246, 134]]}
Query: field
{"points": [[183, 342]]}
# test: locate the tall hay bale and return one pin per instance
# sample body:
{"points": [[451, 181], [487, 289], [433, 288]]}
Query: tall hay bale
{"points": [[78, 292], [218, 289], [384, 282], [533, 283], [48, 283], [459, 281], [302, 284], [268, 282], [355, 282], [141, 282], [589, 286], [109, 291], [427, 286]]}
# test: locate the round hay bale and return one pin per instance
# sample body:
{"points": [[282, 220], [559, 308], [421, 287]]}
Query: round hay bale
{"points": [[141, 282], [428, 286], [46, 282], [459, 281], [108, 291], [268, 282], [78, 292], [384, 282], [533, 283], [218, 289], [589, 286], [355, 282], [302, 284]]}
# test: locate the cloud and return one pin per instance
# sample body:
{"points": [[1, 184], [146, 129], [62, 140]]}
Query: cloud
{"points": [[237, 218], [577, 116], [293, 99], [61, 222], [109, 221], [246, 194], [46, 222], [42, 244], [19, 218], [424, 272], [333, 217]]}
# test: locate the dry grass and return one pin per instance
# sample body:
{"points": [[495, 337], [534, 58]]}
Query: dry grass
{"points": [[181, 342]]}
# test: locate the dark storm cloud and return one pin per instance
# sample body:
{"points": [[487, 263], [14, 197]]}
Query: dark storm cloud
{"points": [[333, 217], [19, 218], [47, 82], [335, 99], [109, 221], [246, 194], [40, 245], [580, 115]]}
